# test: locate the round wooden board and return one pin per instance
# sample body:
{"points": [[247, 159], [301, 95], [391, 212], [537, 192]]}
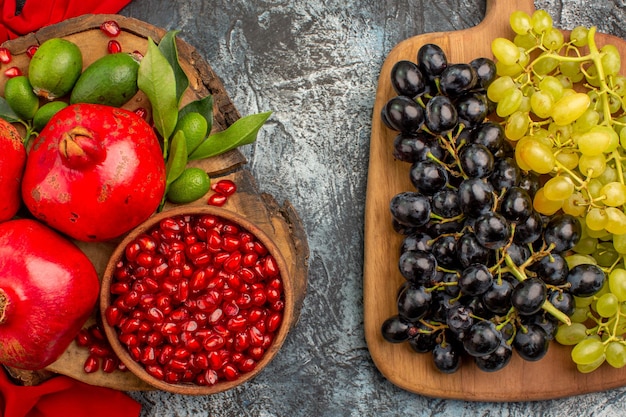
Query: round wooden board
{"points": [[552, 377], [281, 222]]}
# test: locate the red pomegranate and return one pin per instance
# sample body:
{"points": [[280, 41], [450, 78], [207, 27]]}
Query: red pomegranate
{"points": [[48, 289], [12, 161], [94, 173]]}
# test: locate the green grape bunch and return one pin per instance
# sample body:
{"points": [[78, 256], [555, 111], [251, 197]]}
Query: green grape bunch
{"points": [[562, 103]]}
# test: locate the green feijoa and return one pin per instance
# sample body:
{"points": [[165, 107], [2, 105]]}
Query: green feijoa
{"points": [[54, 68], [195, 127], [110, 80], [20, 96], [192, 184], [45, 113]]}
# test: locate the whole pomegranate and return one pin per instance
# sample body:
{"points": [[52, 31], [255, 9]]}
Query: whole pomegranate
{"points": [[48, 289], [12, 161], [94, 173]]}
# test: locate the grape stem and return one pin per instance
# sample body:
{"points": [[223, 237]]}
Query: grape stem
{"points": [[547, 306]]}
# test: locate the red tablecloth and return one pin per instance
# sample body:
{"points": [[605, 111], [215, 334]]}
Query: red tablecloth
{"points": [[36, 13]]}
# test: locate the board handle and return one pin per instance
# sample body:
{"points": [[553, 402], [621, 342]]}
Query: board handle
{"points": [[497, 8]]}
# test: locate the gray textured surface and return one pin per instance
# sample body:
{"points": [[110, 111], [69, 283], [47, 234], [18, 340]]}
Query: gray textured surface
{"points": [[315, 63]]}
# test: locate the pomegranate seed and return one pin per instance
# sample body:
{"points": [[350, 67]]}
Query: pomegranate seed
{"points": [[224, 187], [13, 72], [30, 51], [156, 371], [217, 200], [110, 28], [83, 339], [114, 47], [109, 364], [230, 372], [141, 112], [274, 321], [137, 55], [96, 332], [247, 365], [99, 351], [91, 364], [195, 294], [5, 55]]}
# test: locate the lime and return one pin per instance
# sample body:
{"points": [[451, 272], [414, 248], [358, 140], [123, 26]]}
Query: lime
{"points": [[20, 96], [55, 67], [45, 113], [192, 184], [195, 126]]}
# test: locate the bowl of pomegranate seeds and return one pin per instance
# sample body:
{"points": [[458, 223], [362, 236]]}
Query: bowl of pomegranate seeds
{"points": [[196, 300]]}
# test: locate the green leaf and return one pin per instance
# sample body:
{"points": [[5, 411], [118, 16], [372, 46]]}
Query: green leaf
{"points": [[177, 160], [244, 131], [7, 113], [156, 79], [167, 46], [203, 106]]}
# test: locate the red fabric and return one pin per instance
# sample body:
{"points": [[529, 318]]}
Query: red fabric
{"points": [[36, 13], [62, 396]]}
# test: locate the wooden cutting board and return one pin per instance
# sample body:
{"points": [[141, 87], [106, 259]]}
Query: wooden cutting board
{"points": [[552, 377], [281, 222]]}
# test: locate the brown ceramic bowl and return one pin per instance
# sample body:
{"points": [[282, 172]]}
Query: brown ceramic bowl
{"points": [[194, 388]]}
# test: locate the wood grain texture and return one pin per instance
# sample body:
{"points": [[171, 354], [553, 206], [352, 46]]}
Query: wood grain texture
{"points": [[554, 376]]}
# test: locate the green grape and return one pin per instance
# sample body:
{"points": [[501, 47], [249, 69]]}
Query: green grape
{"points": [[586, 245], [558, 188], [569, 108], [537, 155], [520, 22], [588, 351], [588, 368], [568, 158], [617, 283], [570, 68], [541, 21], [545, 65], [580, 315], [505, 51], [575, 205], [509, 103], [592, 166], [615, 104], [524, 105], [516, 126], [605, 255], [562, 132], [578, 36], [609, 175], [616, 354], [616, 223], [566, 81], [572, 334], [587, 120], [594, 142], [552, 39], [499, 88], [513, 70], [583, 301], [596, 219], [611, 61], [615, 193], [545, 206], [614, 137], [618, 85], [553, 86], [591, 75], [607, 305], [622, 138], [593, 187], [527, 41], [541, 104]]}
